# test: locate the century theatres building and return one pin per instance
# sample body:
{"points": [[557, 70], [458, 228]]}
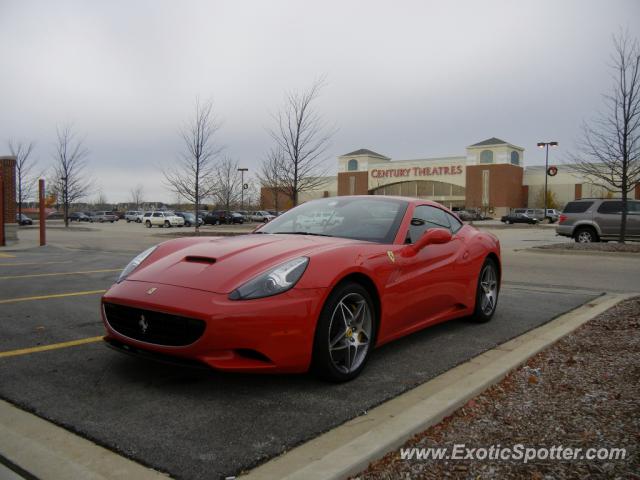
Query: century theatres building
{"points": [[491, 177]]}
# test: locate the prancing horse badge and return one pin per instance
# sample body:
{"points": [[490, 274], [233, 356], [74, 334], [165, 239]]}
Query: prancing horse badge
{"points": [[391, 256], [151, 290]]}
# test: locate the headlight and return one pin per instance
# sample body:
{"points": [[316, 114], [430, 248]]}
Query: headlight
{"points": [[272, 282], [133, 264]]}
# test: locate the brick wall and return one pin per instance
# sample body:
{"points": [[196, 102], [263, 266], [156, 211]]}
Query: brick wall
{"points": [[8, 167], [505, 186], [359, 181]]}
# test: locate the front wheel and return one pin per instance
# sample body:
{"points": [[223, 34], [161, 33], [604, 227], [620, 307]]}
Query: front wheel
{"points": [[345, 334], [147, 224], [167, 224], [486, 292]]}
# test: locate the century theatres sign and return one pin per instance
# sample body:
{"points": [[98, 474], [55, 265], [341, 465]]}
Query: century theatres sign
{"points": [[416, 171]]}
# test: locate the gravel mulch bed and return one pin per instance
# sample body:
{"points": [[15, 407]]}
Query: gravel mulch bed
{"points": [[582, 392], [594, 247]]}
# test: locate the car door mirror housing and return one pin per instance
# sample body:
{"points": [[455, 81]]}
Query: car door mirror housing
{"points": [[433, 236]]}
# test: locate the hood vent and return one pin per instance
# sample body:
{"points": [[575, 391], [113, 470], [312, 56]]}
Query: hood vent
{"points": [[199, 259]]}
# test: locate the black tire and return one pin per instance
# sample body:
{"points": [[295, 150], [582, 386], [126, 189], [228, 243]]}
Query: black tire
{"points": [[167, 224], [585, 235], [147, 224], [323, 365], [481, 313]]}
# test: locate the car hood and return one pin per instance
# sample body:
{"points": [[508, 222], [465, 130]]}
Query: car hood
{"points": [[220, 265]]}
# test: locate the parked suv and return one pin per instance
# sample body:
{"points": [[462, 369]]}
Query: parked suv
{"points": [[103, 217], [592, 220], [163, 219], [132, 216]]}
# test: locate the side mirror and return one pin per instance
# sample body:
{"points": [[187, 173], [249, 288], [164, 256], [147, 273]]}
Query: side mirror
{"points": [[433, 236]]}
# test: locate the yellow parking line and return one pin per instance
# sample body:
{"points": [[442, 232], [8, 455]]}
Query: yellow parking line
{"points": [[6, 255], [20, 264], [54, 295], [8, 277], [54, 346]]}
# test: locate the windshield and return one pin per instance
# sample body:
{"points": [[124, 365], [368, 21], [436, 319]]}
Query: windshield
{"points": [[370, 219]]}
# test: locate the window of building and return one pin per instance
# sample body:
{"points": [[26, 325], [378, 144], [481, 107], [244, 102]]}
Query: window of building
{"points": [[515, 158], [486, 156], [352, 165]]}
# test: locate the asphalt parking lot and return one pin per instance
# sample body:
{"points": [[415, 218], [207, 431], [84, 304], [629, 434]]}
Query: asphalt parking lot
{"points": [[191, 423]]}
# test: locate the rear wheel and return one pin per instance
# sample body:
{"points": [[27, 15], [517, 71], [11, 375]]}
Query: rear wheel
{"points": [[586, 235], [344, 334], [486, 292], [167, 224]]}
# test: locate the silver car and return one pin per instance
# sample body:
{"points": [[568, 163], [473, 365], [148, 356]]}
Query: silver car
{"points": [[592, 220]]}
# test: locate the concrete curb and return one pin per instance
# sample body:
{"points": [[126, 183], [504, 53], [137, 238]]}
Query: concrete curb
{"points": [[560, 251], [348, 449], [47, 451]]}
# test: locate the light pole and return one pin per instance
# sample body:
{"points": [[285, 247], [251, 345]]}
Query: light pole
{"points": [[242, 170], [546, 146]]}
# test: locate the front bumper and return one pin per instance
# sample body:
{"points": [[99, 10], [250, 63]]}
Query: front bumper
{"points": [[273, 334]]}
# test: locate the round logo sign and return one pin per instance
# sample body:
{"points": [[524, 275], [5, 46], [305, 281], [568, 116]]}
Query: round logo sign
{"points": [[552, 171]]}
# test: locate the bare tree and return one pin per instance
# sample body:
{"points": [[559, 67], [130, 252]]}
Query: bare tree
{"points": [[192, 177], [228, 183], [101, 199], [25, 177], [270, 174], [136, 194], [303, 137], [70, 179], [609, 149]]}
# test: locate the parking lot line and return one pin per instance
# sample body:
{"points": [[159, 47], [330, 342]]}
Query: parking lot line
{"points": [[6, 255], [53, 346], [53, 295], [9, 277], [21, 264]]}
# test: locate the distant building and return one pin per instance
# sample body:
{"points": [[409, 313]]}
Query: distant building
{"points": [[491, 176]]}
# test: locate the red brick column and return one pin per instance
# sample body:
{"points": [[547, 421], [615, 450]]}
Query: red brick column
{"points": [[8, 166]]}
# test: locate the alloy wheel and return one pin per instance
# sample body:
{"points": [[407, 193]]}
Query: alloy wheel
{"points": [[489, 285], [350, 333]]}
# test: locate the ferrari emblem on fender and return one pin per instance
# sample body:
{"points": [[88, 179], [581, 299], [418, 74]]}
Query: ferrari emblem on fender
{"points": [[151, 290], [144, 325], [391, 256]]}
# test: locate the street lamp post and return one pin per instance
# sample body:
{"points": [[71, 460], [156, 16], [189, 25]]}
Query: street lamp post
{"points": [[242, 170], [546, 146]]}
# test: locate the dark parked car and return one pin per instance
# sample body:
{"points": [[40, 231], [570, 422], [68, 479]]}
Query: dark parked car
{"points": [[518, 218], [217, 217], [79, 217], [189, 219], [22, 219]]}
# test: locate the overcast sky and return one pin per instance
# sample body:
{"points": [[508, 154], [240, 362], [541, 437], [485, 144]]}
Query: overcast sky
{"points": [[408, 79]]}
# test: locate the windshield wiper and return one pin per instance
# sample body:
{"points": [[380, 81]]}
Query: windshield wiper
{"points": [[304, 233]]}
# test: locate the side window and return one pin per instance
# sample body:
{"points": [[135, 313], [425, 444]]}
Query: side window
{"points": [[424, 218], [157, 214], [610, 207], [455, 223]]}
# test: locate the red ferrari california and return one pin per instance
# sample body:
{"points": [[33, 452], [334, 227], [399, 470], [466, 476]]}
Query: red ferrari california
{"points": [[316, 289]]}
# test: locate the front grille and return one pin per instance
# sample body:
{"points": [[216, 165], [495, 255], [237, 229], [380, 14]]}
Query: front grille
{"points": [[153, 327]]}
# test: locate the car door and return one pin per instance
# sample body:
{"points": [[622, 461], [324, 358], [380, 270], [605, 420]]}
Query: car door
{"points": [[424, 284], [633, 220], [608, 217]]}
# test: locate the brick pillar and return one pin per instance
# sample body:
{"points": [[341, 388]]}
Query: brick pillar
{"points": [[638, 192], [8, 166], [577, 195]]}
